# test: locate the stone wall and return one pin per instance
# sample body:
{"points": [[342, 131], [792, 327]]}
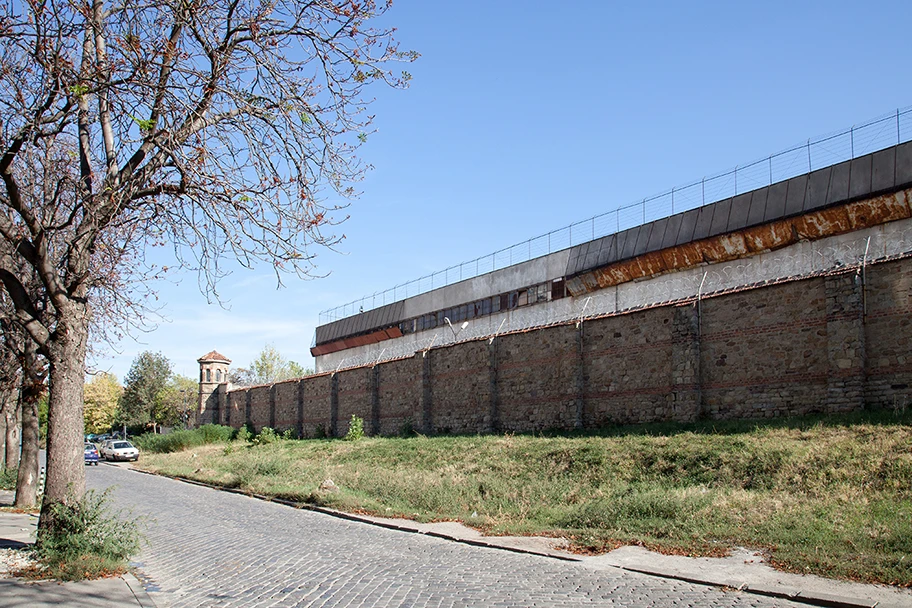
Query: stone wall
{"points": [[831, 343]]}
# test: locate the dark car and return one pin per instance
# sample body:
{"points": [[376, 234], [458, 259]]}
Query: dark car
{"points": [[91, 454]]}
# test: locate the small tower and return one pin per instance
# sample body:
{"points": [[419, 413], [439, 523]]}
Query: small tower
{"points": [[213, 373]]}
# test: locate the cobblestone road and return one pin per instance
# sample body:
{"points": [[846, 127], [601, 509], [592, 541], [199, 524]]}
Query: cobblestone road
{"points": [[210, 548]]}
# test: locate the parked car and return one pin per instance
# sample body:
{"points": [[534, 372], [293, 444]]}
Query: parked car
{"points": [[116, 449], [91, 454]]}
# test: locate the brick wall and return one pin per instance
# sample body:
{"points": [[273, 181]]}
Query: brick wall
{"points": [[888, 329], [825, 344]]}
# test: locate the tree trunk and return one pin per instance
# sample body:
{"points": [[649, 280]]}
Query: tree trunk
{"points": [[12, 437], [27, 480], [65, 478]]}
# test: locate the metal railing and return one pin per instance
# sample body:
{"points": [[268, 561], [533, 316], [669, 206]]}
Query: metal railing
{"points": [[870, 136]]}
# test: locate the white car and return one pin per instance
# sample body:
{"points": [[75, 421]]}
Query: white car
{"points": [[118, 449]]}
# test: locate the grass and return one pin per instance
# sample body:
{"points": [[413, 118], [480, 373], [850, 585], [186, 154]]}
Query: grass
{"points": [[830, 496]]}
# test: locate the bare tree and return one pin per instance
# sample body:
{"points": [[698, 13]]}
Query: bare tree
{"points": [[218, 127]]}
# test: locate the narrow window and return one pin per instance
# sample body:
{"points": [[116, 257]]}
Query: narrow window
{"points": [[218, 375], [208, 375]]}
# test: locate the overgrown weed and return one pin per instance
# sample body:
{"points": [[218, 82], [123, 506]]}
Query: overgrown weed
{"points": [[831, 495]]}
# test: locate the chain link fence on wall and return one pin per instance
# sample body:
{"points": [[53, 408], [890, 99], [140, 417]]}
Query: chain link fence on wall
{"points": [[871, 136]]}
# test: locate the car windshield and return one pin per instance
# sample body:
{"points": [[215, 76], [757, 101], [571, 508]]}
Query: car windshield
{"points": [[89, 447], [122, 444]]}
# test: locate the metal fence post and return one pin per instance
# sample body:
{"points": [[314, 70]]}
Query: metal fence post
{"points": [[809, 156]]}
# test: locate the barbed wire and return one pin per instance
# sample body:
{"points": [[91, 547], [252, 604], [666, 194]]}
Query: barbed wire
{"points": [[800, 261], [870, 136]]}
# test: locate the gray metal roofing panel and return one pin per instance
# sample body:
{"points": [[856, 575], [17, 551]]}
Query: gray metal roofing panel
{"points": [[643, 238], [657, 235], [608, 251], [592, 255], [797, 191], [669, 239], [740, 208], [758, 206], [573, 261], [860, 178], [883, 170], [688, 225], [904, 164], [630, 242], [775, 201], [721, 211], [619, 243], [704, 223], [839, 182], [818, 186]]}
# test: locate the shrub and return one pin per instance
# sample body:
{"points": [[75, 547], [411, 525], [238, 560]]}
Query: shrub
{"points": [[89, 539], [8, 478], [408, 428], [215, 433], [266, 436], [355, 429], [176, 441]]}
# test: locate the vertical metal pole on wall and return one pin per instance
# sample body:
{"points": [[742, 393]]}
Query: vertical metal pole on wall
{"points": [[644, 210], [809, 157], [898, 140], [672, 201], [771, 171], [852, 140], [703, 186], [593, 228], [736, 180]]}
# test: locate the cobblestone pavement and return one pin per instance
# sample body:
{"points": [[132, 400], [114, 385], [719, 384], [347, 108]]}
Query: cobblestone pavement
{"points": [[210, 548]]}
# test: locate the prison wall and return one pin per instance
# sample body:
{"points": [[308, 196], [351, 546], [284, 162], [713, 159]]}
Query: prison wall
{"points": [[834, 342]]}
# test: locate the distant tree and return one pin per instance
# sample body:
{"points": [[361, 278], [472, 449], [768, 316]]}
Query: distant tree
{"points": [[296, 370], [145, 382], [176, 402], [268, 367], [241, 376], [102, 398]]}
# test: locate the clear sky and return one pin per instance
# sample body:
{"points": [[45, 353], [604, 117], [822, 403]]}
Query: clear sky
{"points": [[525, 116]]}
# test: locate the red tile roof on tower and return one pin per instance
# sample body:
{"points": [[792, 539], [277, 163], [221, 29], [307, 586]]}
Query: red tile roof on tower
{"points": [[213, 356]]}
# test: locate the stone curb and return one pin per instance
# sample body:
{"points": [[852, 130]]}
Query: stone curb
{"points": [[795, 595], [139, 592]]}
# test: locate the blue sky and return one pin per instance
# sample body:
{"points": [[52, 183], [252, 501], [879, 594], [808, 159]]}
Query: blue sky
{"points": [[525, 116]]}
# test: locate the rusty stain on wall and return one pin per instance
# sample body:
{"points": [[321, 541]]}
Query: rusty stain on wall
{"points": [[812, 226]]}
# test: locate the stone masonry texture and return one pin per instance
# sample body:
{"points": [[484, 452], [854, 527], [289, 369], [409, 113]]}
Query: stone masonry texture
{"points": [[831, 343]]}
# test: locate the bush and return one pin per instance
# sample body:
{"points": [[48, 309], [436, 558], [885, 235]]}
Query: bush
{"points": [[176, 441], [265, 436], [8, 478], [88, 540], [355, 429]]}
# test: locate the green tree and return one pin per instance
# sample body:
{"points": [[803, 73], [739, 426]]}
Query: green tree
{"points": [[143, 388], [102, 397], [268, 367], [177, 401], [220, 127]]}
